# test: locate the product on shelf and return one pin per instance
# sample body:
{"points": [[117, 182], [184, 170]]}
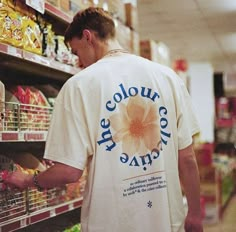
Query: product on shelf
{"points": [[11, 26], [28, 161], [18, 26], [74, 228], [50, 92], [6, 165], [36, 200], [33, 113], [12, 205], [10, 115], [49, 44], [222, 108], [3, 175], [62, 51], [32, 39]]}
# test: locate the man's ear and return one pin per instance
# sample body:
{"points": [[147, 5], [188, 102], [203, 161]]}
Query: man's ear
{"points": [[87, 35]]}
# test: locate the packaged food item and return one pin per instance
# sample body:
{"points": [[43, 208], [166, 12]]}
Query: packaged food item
{"points": [[28, 161], [62, 52], [32, 39], [11, 27], [8, 3], [33, 113], [11, 111], [50, 92], [49, 44], [3, 175]]}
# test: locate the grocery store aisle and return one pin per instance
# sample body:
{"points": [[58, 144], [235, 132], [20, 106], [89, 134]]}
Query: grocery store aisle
{"points": [[228, 221]]}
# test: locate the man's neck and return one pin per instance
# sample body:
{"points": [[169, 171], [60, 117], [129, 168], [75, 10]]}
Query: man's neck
{"points": [[106, 47]]}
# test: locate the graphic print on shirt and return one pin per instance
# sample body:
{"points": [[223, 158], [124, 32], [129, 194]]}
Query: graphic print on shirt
{"points": [[136, 126], [133, 140], [140, 126]]}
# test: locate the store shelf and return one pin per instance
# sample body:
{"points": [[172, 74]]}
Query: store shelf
{"points": [[224, 123], [18, 59], [22, 136], [57, 13], [40, 215], [24, 122]]}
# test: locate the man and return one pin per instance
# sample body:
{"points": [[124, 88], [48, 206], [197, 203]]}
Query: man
{"points": [[130, 121]]}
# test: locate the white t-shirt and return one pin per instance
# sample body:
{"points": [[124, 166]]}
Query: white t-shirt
{"points": [[129, 117]]}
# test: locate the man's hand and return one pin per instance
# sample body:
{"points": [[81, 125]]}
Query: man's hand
{"points": [[193, 223], [19, 180]]}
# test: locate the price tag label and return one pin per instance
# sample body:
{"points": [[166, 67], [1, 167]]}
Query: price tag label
{"points": [[38, 5], [12, 50], [52, 213], [71, 206], [21, 136], [23, 222], [67, 68]]}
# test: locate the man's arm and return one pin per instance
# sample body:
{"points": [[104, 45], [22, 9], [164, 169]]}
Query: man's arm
{"points": [[57, 175], [189, 177]]}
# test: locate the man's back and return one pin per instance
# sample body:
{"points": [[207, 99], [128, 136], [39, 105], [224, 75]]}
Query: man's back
{"points": [[131, 109]]}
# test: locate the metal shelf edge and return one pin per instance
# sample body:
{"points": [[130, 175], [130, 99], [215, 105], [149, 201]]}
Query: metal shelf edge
{"points": [[36, 136], [37, 59], [53, 10], [35, 217]]}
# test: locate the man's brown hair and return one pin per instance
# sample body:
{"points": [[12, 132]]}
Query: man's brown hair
{"points": [[92, 18]]}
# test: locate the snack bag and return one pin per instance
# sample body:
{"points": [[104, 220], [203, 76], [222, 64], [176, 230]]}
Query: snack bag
{"points": [[62, 52], [49, 44], [32, 39], [11, 26]]}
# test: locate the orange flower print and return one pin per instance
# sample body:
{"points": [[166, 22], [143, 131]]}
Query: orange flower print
{"points": [[136, 126]]}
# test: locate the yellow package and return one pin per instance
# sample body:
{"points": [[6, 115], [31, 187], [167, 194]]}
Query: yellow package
{"points": [[11, 29], [32, 36], [9, 3]]}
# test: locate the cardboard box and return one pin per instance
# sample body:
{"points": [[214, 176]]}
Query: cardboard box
{"points": [[147, 49], [131, 16], [135, 48], [157, 52], [54, 2], [65, 5]]}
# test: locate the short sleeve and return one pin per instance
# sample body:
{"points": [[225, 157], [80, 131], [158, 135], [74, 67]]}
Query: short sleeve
{"points": [[187, 124], [67, 140]]}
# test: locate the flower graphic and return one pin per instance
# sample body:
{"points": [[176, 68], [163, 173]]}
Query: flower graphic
{"points": [[136, 126]]}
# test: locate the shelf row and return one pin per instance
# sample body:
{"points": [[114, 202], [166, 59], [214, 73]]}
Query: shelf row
{"points": [[225, 122], [57, 13], [40, 215], [25, 60], [23, 136], [24, 122]]}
